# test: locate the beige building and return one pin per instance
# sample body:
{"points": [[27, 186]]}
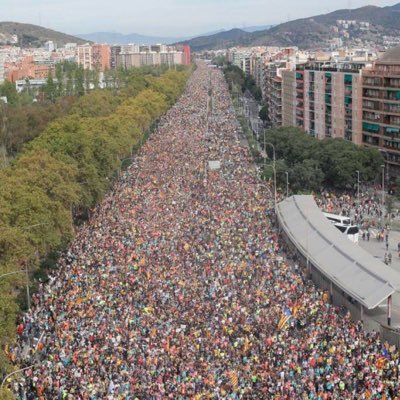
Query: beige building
{"points": [[381, 109], [325, 103], [84, 56]]}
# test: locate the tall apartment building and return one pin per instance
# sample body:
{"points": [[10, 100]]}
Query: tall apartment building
{"points": [[84, 56], [114, 52], [187, 55], [153, 55], [347, 100], [381, 108], [273, 90], [323, 102], [96, 56], [101, 57], [128, 60]]}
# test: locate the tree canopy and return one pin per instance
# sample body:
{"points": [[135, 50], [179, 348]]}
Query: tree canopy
{"points": [[314, 163], [67, 168]]}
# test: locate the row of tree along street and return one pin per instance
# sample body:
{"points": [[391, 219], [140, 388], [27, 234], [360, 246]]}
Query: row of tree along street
{"points": [[65, 171], [27, 113]]}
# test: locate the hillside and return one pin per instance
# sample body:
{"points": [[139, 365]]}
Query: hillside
{"points": [[118, 38], [33, 35], [314, 32], [220, 40]]}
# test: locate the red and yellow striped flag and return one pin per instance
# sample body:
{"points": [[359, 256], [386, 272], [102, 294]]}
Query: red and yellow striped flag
{"points": [[283, 321], [234, 379]]}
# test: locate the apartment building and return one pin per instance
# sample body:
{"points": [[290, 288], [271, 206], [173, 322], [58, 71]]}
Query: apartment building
{"points": [[273, 89], [93, 57], [186, 54], [381, 108], [354, 100], [152, 55], [115, 51], [28, 68], [101, 57], [325, 102]]}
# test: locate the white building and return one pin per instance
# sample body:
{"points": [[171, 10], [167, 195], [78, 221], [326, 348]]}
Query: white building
{"points": [[50, 46]]}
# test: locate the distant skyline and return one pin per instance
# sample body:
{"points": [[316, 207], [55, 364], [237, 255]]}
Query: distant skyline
{"points": [[166, 17]]}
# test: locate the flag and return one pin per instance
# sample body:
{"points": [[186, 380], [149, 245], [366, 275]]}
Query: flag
{"points": [[286, 315], [283, 321], [234, 378], [380, 362], [295, 310], [246, 345], [287, 312]]}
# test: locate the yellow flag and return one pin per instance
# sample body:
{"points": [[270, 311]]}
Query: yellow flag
{"points": [[234, 379]]}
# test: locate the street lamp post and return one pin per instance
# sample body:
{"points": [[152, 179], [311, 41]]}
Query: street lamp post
{"points": [[15, 372], [383, 193], [287, 183]]}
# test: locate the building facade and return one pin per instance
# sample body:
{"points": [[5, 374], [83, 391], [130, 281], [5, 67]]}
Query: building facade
{"points": [[355, 101], [94, 57], [325, 103], [136, 56], [381, 108]]}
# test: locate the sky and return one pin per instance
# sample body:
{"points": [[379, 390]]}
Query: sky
{"points": [[176, 18]]}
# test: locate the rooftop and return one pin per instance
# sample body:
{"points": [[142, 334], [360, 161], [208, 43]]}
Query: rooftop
{"points": [[360, 275], [391, 56]]}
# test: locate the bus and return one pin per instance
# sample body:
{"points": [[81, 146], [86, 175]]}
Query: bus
{"points": [[351, 231], [344, 225], [338, 219]]}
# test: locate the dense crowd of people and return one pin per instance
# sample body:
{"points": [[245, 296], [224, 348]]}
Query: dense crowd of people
{"points": [[366, 210], [178, 287]]}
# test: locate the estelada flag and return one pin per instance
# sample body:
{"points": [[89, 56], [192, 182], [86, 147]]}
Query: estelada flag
{"points": [[286, 315], [283, 321], [380, 362], [234, 378]]}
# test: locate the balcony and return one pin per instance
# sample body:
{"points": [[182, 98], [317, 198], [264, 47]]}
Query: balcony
{"points": [[391, 108], [371, 105], [371, 128], [372, 94], [392, 95], [391, 120], [371, 140]]}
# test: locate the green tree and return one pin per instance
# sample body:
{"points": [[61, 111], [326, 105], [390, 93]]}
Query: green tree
{"points": [[59, 72], [95, 104], [79, 81], [50, 89], [8, 90], [306, 175]]}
